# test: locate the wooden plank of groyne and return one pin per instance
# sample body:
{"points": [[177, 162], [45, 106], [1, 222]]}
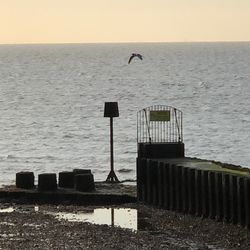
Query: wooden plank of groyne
{"points": [[240, 201], [211, 194], [233, 199], [198, 192], [178, 187], [191, 190], [204, 191], [209, 166], [247, 201], [139, 179], [149, 182], [143, 179], [160, 185], [172, 187], [219, 196], [166, 194], [154, 177], [226, 197], [184, 181]]}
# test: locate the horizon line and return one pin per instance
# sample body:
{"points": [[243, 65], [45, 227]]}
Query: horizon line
{"points": [[150, 42]]}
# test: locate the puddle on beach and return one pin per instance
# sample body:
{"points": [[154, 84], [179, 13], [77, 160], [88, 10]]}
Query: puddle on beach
{"points": [[23, 210], [7, 210], [118, 217], [115, 217]]}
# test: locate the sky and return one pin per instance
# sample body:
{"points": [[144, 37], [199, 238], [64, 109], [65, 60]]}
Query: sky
{"points": [[94, 21]]}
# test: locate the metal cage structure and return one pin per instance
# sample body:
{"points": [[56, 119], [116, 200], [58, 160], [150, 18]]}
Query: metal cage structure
{"points": [[159, 124]]}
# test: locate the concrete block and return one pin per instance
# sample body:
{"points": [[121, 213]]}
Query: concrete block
{"points": [[161, 150], [25, 180], [84, 182], [81, 171], [47, 182], [66, 179]]}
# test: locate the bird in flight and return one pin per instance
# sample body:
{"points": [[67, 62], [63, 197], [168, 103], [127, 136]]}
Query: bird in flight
{"points": [[134, 55]]}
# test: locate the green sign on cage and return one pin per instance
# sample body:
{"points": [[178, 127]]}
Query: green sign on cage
{"points": [[159, 116]]}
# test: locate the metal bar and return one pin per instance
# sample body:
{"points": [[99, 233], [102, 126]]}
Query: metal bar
{"points": [[158, 129], [177, 125], [111, 145], [147, 124], [137, 132], [112, 176]]}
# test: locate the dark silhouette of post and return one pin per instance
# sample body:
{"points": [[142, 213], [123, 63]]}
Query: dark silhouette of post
{"points": [[111, 110], [112, 217]]}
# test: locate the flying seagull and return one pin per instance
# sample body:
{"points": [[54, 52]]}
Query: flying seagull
{"points": [[134, 55]]}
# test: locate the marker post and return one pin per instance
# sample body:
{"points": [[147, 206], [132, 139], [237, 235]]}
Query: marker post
{"points": [[111, 110]]}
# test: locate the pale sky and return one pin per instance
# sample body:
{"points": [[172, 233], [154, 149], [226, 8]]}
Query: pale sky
{"points": [[84, 21]]}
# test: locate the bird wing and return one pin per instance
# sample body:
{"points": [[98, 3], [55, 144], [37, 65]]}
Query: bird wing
{"points": [[130, 59], [140, 56]]}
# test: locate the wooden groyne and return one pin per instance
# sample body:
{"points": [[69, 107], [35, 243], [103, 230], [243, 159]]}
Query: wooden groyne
{"points": [[72, 187], [104, 194], [197, 187]]}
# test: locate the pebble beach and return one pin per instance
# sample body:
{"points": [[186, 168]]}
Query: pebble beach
{"points": [[28, 228]]}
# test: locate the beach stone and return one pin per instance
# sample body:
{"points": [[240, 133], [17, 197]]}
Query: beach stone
{"points": [[66, 179], [25, 180], [84, 182], [47, 182]]}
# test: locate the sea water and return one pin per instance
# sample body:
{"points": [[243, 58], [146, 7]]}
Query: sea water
{"points": [[52, 101]]}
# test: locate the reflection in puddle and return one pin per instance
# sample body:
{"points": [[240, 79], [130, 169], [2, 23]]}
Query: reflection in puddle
{"points": [[118, 217], [7, 210], [122, 217], [12, 209]]}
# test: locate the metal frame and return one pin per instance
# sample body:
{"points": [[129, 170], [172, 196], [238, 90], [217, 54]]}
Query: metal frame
{"points": [[149, 131]]}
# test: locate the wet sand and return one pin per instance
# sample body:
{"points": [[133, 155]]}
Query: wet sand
{"points": [[32, 227]]}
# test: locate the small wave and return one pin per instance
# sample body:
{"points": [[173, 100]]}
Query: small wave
{"points": [[125, 170], [68, 136], [130, 152], [11, 157], [32, 159]]}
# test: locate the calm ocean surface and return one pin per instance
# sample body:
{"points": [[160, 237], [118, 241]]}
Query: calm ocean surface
{"points": [[52, 99]]}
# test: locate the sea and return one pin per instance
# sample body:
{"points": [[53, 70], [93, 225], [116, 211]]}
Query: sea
{"points": [[52, 103]]}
